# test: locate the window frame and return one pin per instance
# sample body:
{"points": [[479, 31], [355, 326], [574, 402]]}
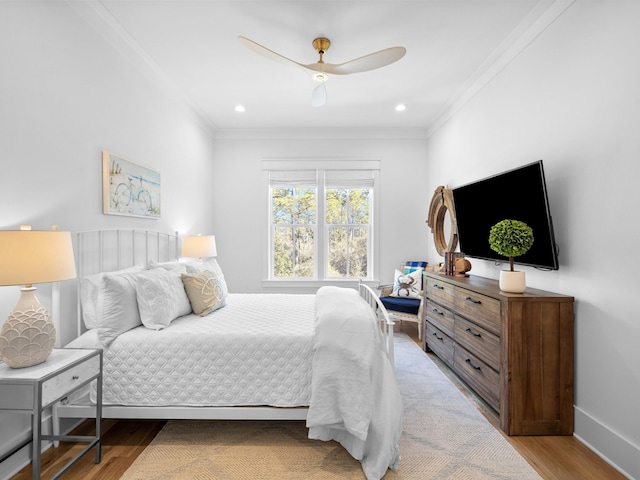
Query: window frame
{"points": [[321, 260]]}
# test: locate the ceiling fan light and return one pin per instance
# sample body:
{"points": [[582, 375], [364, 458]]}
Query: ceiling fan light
{"points": [[401, 107], [320, 77], [239, 108]]}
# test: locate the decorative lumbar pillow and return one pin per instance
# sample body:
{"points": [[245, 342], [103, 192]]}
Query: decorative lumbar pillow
{"points": [[161, 297], [117, 306], [407, 285], [211, 265], [90, 291], [205, 292]]}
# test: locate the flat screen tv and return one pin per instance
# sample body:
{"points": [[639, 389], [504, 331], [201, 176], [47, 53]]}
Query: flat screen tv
{"points": [[518, 194]]}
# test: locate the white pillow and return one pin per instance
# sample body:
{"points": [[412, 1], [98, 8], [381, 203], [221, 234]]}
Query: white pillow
{"points": [[407, 285], [90, 290], [173, 264], [117, 306], [211, 265], [161, 297]]}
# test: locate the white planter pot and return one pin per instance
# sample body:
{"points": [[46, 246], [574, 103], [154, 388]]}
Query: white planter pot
{"points": [[512, 282]]}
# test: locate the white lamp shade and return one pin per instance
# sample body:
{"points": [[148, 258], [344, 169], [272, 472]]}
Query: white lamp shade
{"points": [[27, 257], [199, 246], [35, 256]]}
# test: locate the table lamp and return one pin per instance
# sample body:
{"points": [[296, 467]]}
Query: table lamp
{"points": [[27, 257], [199, 246]]}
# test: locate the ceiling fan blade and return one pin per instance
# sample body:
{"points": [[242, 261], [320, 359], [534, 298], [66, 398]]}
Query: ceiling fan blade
{"points": [[319, 96], [372, 61], [265, 52]]}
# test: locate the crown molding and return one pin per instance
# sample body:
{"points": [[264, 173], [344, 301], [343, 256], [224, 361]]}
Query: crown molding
{"points": [[105, 24], [321, 133], [536, 22]]}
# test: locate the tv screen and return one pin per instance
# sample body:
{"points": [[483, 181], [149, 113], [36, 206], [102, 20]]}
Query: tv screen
{"points": [[518, 194]]}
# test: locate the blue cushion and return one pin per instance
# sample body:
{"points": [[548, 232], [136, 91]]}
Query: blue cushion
{"points": [[412, 266], [401, 304]]}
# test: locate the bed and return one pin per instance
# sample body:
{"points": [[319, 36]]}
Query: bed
{"points": [[326, 358]]}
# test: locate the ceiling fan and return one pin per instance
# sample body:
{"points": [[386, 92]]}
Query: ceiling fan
{"points": [[321, 70]]}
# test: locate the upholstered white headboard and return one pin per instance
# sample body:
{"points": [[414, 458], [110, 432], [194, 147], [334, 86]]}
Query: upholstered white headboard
{"points": [[109, 250]]}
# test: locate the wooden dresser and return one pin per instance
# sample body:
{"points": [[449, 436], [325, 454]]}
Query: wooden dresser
{"points": [[514, 350]]}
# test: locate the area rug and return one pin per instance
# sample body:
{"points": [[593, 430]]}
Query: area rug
{"points": [[444, 437]]}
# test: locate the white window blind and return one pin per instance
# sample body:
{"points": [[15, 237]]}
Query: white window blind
{"points": [[292, 178], [348, 178]]}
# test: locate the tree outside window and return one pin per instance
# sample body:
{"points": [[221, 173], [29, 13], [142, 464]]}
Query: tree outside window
{"points": [[294, 224], [347, 220], [321, 224]]}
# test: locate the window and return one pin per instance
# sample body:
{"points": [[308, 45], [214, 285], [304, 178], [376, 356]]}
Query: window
{"points": [[293, 224], [348, 229], [321, 224]]}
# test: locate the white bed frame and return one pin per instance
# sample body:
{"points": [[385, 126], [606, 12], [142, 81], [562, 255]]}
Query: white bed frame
{"points": [[108, 250]]}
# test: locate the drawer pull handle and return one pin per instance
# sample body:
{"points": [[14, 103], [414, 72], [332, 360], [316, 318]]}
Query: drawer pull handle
{"points": [[469, 299], [435, 310], [437, 337], [468, 360], [75, 377], [473, 333], [435, 285]]}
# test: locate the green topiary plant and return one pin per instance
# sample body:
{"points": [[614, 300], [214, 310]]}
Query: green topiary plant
{"points": [[511, 238]]}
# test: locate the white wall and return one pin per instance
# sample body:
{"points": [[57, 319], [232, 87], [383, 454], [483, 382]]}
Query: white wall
{"points": [[66, 95], [241, 203], [572, 99]]}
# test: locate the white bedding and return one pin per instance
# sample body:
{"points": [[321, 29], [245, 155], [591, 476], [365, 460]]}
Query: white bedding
{"points": [[257, 350], [261, 350], [355, 397]]}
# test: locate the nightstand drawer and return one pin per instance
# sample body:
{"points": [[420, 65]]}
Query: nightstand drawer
{"points": [[17, 397], [67, 381]]}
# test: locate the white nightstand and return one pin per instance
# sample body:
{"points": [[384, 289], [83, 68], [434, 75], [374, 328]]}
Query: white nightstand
{"points": [[30, 390]]}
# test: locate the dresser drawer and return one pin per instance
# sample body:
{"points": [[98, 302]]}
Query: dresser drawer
{"points": [[483, 310], [440, 292], [482, 343], [67, 381], [440, 317], [480, 376], [440, 344]]}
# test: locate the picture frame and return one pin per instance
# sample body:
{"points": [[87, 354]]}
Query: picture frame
{"points": [[129, 188]]}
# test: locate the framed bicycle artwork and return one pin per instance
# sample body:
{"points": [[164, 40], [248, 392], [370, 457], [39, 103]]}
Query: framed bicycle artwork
{"points": [[129, 188]]}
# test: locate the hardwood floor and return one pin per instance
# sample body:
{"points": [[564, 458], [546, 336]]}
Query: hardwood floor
{"points": [[554, 458], [122, 442]]}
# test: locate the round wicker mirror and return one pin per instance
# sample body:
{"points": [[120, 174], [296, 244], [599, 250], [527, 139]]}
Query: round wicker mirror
{"points": [[442, 221]]}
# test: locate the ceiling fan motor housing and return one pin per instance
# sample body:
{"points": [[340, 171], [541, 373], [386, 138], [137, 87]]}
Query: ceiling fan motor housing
{"points": [[321, 44]]}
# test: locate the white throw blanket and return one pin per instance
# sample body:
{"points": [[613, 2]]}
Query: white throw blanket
{"points": [[355, 398]]}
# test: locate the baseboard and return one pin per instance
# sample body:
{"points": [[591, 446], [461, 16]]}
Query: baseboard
{"points": [[617, 451]]}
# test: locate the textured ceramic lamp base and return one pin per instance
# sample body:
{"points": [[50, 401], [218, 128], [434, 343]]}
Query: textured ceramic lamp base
{"points": [[28, 336], [512, 282]]}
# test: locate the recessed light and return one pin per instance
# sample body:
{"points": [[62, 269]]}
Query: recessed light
{"points": [[401, 107], [239, 108]]}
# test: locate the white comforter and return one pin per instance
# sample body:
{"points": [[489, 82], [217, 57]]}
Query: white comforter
{"points": [[258, 350], [355, 399]]}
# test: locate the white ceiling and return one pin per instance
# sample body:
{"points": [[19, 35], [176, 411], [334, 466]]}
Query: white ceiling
{"points": [[191, 47]]}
